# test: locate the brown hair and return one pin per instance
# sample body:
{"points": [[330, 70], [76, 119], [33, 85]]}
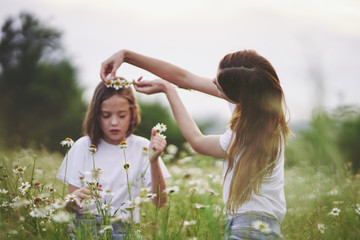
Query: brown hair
{"points": [[91, 125], [258, 122]]}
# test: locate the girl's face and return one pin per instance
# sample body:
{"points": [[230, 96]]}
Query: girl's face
{"points": [[115, 117]]}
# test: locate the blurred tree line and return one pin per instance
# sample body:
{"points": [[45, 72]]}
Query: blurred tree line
{"points": [[330, 143], [40, 99]]}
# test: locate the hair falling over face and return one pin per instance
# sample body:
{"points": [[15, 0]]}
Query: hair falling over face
{"points": [[258, 122], [91, 125]]}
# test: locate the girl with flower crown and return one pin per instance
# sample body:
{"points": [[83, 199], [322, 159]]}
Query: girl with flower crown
{"points": [[253, 145], [109, 162]]}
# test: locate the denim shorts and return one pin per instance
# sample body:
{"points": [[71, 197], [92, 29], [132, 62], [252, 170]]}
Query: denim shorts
{"points": [[241, 227], [91, 225]]}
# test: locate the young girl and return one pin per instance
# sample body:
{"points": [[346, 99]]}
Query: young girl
{"points": [[110, 121], [252, 147]]}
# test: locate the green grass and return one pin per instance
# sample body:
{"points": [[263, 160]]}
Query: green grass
{"points": [[311, 193]]}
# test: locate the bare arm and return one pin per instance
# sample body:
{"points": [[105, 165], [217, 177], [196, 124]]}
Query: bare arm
{"points": [[158, 185], [203, 144], [162, 69]]}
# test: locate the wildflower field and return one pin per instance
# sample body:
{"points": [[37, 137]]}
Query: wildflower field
{"points": [[322, 199]]}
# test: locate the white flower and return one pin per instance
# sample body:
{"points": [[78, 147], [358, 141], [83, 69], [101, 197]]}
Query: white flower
{"points": [[37, 213], [93, 148], [145, 151], [130, 205], [117, 82], [333, 192], [24, 188], [160, 128], [19, 170], [335, 212], [20, 202], [262, 226], [321, 228], [172, 149], [104, 228], [108, 196], [151, 195], [3, 191], [357, 208], [52, 190], [174, 189], [58, 204], [200, 206], [61, 217], [67, 142], [123, 145], [70, 198], [106, 206], [116, 218], [189, 223], [126, 166]]}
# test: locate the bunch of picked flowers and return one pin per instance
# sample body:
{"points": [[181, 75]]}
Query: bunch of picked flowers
{"points": [[117, 82]]}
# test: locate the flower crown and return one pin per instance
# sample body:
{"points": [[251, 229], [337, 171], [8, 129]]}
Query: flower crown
{"points": [[117, 82]]}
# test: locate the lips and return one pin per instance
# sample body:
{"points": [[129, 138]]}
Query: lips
{"points": [[114, 131]]}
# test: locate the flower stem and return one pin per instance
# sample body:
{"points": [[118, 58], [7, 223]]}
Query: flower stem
{"points": [[66, 163], [32, 173]]}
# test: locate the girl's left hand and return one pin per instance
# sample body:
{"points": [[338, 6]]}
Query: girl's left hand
{"points": [[150, 87], [157, 145]]}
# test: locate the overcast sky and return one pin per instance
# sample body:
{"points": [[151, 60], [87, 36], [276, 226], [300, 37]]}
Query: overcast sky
{"points": [[314, 45]]}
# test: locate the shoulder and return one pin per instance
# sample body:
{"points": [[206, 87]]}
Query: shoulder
{"points": [[81, 143]]}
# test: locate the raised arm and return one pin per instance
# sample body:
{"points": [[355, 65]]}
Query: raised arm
{"points": [[162, 69], [203, 144]]}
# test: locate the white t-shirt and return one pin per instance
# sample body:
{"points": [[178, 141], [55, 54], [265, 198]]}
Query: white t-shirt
{"points": [[110, 158], [271, 198]]}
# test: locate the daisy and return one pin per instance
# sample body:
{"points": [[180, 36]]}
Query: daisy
{"points": [[200, 206], [262, 226], [321, 228], [357, 208], [145, 151], [160, 127], [93, 148], [123, 145], [104, 228], [70, 198], [19, 170], [58, 204], [126, 166], [151, 195], [108, 195], [24, 188], [117, 84], [52, 190], [106, 206], [172, 149], [3, 191], [169, 190], [67, 142], [37, 213], [335, 212], [61, 217], [109, 83], [116, 218], [189, 223]]}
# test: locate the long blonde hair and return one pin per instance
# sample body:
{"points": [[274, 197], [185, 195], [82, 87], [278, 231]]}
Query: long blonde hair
{"points": [[258, 122]]}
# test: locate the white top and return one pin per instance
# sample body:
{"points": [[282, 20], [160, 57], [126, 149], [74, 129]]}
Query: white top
{"points": [[110, 158], [271, 198]]}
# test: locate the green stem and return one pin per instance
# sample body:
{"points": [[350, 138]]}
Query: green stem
{"points": [[66, 163], [32, 173]]}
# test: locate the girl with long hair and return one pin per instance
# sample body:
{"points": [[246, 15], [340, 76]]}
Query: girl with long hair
{"points": [[113, 156], [253, 145]]}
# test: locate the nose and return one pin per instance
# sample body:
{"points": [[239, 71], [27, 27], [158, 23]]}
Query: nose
{"points": [[114, 120]]}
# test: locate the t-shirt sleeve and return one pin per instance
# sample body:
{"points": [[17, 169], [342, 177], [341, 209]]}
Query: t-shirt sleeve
{"points": [[73, 163], [147, 177]]}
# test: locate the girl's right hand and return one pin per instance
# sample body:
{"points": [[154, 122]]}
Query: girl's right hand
{"points": [[110, 65], [84, 193]]}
